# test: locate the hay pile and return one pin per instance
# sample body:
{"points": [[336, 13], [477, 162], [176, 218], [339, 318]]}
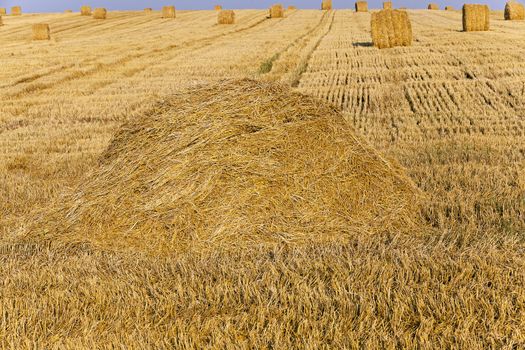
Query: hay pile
{"points": [[476, 18], [276, 11], [100, 13], [217, 7], [433, 6], [361, 6], [226, 17], [391, 28], [387, 5], [16, 11], [234, 163], [449, 8], [41, 31], [85, 11], [514, 11], [168, 12], [326, 5]]}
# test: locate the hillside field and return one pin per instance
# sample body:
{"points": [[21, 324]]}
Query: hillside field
{"points": [[447, 113]]}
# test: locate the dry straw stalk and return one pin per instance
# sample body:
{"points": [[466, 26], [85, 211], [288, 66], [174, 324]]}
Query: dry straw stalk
{"points": [[387, 5], [217, 7], [168, 12], [391, 28], [100, 13], [326, 5], [514, 11], [41, 31], [85, 11], [449, 8], [433, 6], [226, 17], [361, 6], [16, 11], [476, 18], [276, 11]]}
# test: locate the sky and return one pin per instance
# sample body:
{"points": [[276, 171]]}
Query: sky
{"points": [[61, 5]]}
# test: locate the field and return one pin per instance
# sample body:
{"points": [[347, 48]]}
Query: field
{"points": [[450, 110]]}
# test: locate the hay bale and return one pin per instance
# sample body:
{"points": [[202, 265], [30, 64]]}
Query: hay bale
{"points": [[41, 31], [387, 5], [226, 17], [361, 6], [3, 11], [514, 11], [326, 5], [236, 163], [168, 12], [276, 11], [433, 6], [85, 11], [1, 21], [148, 10], [449, 8], [100, 13], [476, 18], [391, 28], [68, 11], [291, 8], [16, 11], [217, 7]]}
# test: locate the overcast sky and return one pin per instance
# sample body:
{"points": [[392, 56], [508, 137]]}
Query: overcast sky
{"points": [[60, 5]]}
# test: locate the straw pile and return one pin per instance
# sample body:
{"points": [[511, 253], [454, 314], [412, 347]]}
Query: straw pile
{"points": [[433, 6], [449, 8], [3, 11], [476, 18], [217, 7], [85, 11], [226, 17], [276, 11], [168, 12], [391, 28], [387, 5], [231, 164], [41, 31], [361, 6], [148, 10], [514, 11], [16, 11], [100, 13], [290, 8], [326, 5]]}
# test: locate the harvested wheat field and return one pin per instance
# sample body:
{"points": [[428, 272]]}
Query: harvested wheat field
{"points": [[266, 184]]}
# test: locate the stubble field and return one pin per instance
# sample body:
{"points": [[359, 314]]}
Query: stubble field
{"points": [[450, 110]]}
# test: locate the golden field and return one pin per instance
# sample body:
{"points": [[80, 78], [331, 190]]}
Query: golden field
{"points": [[447, 113]]}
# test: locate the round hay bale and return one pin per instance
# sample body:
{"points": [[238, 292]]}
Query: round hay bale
{"points": [[1, 21], [291, 8], [3, 11], [217, 7], [326, 5], [391, 28], [233, 164], [449, 8], [226, 17], [168, 12], [514, 11], [85, 11], [276, 11], [16, 11], [433, 6], [100, 13], [148, 10], [387, 5], [41, 31], [68, 11], [361, 6], [476, 18]]}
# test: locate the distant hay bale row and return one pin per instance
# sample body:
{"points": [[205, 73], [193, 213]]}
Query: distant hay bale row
{"points": [[387, 5], [326, 5], [514, 11], [361, 6], [41, 31], [449, 8], [100, 13], [217, 7], [476, 18], [226, 17], [391, 28], [16, 11], [276, 11], [85, 11], [433, 6], [168, 12]]}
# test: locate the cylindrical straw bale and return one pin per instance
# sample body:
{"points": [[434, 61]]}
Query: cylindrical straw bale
{"points": [[391, 28]]}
